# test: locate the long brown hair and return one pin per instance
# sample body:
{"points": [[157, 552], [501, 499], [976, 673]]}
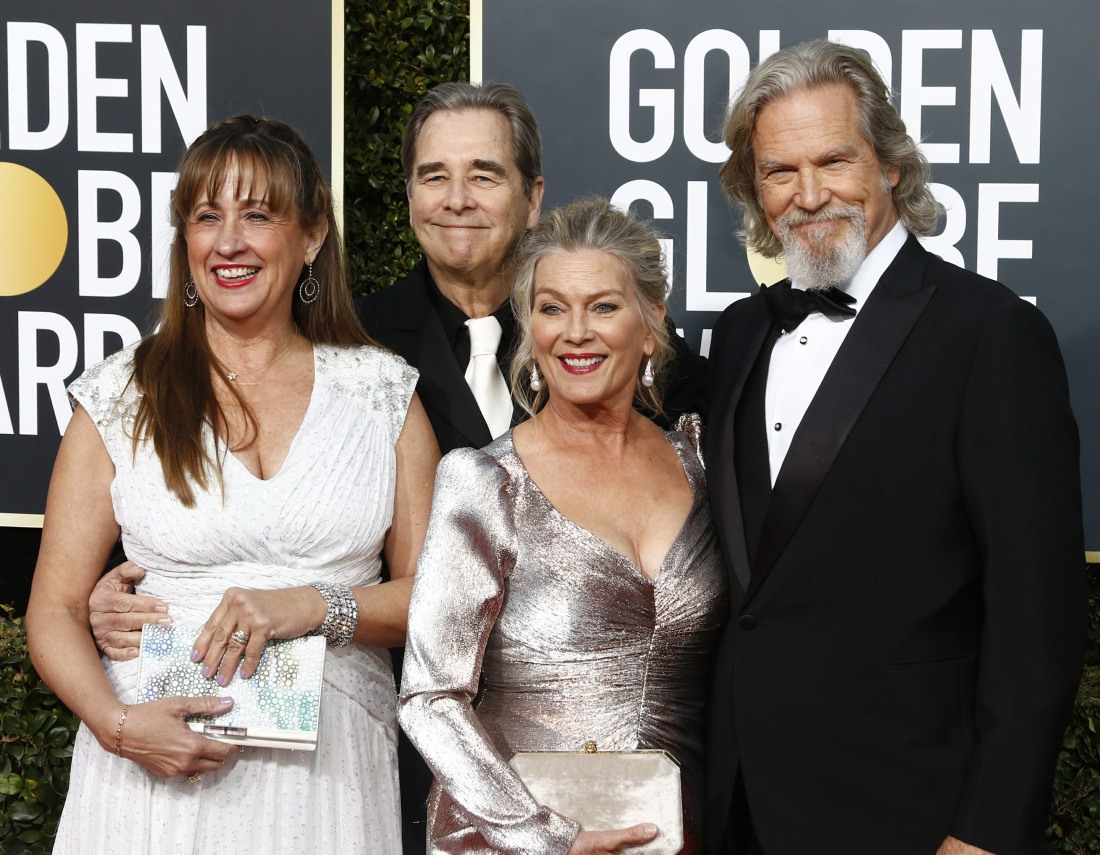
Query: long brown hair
{"points": [[172, 368]]}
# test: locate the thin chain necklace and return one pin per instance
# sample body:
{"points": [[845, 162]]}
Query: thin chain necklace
{"points": [[233, 375]]}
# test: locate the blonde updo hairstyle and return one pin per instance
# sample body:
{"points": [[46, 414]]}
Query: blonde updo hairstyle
{"points": [[591, 223]]}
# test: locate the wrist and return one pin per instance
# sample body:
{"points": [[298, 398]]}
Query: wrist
{"points": [[341, 614]]}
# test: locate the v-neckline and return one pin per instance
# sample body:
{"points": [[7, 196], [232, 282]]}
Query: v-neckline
{"points": [[293, 442], [593, 536]]}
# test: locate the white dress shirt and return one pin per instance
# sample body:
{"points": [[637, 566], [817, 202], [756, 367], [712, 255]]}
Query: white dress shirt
{"points": [[801, 357]]}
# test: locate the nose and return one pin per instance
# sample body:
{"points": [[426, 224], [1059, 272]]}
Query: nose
{"points": [[577, 328], [458, 197], [812, 193], [230, 238]]}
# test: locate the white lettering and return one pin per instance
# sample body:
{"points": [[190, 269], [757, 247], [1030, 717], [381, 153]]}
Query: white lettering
{"points": [[90, 88], [20, 135], [6, 426], [915, 95], [991, 247], [989, 77], [96, 330], [737, 53], [92, 231], [32, 375], [157, 71], [662, 101]]}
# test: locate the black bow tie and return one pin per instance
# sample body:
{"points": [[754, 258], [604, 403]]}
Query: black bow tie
{"points": [[790, 306]]}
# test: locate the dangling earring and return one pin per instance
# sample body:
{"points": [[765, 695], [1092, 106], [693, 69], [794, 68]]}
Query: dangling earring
{"points": [[536, 381], [309, 288], [647, 375], [190, 294]]}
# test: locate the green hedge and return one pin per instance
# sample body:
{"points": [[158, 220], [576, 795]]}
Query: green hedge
{"points": [[394, 56]]}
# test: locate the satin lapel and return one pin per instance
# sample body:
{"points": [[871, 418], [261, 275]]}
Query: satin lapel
{"points": [[442, 385], [745, 333], [876, 336]]}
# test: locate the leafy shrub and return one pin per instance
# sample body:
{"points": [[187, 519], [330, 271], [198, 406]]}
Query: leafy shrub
{"points": [[394, 52], [35, 748]]}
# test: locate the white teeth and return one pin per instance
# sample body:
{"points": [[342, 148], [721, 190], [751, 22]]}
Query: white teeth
{"points": [[582, 362], [236, 272]]}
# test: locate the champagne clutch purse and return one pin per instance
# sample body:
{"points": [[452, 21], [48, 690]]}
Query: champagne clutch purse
{"points": [[609, 789], [277, 707]]}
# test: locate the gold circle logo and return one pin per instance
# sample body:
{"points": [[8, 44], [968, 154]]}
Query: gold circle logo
{"points": [[33, 230], [766, 271]]}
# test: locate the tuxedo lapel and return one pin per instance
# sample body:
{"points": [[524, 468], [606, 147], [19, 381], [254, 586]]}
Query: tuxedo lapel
{"points": [[741, 341], [877, 335], [417, 334]]}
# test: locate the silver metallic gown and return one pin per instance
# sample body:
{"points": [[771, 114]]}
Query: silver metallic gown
{"points": [[527, 632]]}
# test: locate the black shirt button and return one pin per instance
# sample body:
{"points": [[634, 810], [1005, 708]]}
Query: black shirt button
{"points": [[803, 340], [747, 622], [779, 425]]}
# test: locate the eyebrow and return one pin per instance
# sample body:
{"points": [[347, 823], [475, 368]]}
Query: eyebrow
{"points": [[477, 163]]}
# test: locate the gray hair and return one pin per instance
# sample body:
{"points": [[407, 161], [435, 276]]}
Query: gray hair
{"points": [[807, 66], [591, 223], [460, 96]]}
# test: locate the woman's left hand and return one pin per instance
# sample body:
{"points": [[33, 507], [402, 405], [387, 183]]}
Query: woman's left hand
{"points": [[254, 616]]}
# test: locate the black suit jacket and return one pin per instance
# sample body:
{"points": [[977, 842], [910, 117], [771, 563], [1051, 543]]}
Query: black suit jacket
{"points": [[902, 652], [403, 318]]}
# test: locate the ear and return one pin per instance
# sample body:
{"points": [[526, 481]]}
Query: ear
{"points": [[893, 176], [534, 202], [650, 345], [315, 239]]}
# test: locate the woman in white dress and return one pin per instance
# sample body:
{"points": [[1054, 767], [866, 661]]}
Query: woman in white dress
{"points": [[258, 457]]}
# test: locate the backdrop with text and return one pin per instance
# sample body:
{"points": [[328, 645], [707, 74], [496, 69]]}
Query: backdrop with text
{"points": [[630, 96], [99, 102]]}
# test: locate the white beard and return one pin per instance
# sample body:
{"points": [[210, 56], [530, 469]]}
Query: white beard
{"points": [[817, 262]]}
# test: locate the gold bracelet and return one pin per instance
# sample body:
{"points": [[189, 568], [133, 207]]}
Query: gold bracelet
{"points": [[118, 732]]}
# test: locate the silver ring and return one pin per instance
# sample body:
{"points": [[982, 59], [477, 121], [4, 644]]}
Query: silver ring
{"points": [[240, 636]]}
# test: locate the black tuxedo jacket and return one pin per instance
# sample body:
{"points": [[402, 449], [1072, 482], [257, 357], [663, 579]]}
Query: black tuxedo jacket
{"points": [[403, 319], [908, 609]]}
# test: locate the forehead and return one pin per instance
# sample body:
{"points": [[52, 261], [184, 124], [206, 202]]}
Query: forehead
{"points": [[807, 122], [240, 177], [582, 269], [461, 136]]}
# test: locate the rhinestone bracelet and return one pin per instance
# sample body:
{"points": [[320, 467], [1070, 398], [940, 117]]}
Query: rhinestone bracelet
{"points": [[343, 614], [118, 731]]}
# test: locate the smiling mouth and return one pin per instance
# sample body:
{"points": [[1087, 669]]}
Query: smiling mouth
{"points": [[582, 364], [235, 275]]}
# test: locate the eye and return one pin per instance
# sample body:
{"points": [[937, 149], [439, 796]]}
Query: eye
{"points": [[205, 217], [257, 217], [484, 180], [548, 309], [605, 308]]}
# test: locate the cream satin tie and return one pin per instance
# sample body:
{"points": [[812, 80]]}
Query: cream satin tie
{"points": [[484, 377]]}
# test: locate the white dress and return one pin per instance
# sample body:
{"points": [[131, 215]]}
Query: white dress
{"points": [[322, 517]]}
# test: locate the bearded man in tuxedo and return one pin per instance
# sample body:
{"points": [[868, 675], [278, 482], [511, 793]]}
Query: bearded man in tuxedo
{"points": [[894, 474]]}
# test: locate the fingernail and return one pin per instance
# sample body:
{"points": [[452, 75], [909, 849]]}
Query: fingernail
{"points": [[650, 828], [167, 620], [243, 673], [220, 680], [226, 701], [195, 656], [162, 609], [205, 671]]}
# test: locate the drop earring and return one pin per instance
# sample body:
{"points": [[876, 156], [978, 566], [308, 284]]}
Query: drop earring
{"points": [[536, 381], [190, 294], [309, 288], [647, 375]]}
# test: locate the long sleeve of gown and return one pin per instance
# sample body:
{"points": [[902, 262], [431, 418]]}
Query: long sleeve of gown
{"points": [[459, 590]]}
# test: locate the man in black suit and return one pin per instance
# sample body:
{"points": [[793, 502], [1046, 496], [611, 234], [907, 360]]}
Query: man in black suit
{"points": [[472, 158], [893, 470]]}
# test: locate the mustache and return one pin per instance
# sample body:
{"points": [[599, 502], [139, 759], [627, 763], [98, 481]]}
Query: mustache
{"points": [[836, 212]]}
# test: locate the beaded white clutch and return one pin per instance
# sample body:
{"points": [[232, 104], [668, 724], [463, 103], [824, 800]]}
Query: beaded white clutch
{"points": [[277, 707], [609, 789]]}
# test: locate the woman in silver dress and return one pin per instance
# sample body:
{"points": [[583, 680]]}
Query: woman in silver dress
{"points": [[569, 588]]}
